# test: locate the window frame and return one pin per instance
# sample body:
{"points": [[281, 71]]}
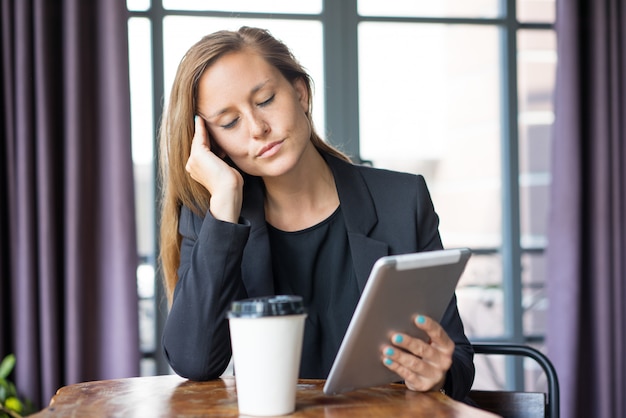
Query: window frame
{"points": [[340, 21]]}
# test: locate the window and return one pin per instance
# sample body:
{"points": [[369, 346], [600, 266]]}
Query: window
{"points": [[459, 91]]}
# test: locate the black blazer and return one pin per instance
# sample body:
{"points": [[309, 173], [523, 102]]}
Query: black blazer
{"points": [[385, 213]]}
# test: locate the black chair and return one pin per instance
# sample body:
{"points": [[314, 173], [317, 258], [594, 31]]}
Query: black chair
{"points": [[520, 404]]}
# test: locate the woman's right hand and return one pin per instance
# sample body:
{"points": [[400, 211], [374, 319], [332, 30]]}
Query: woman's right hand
{"points": [[224, 183]]}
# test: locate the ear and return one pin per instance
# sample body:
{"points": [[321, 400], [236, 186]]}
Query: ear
{"points": [[303, 95]]}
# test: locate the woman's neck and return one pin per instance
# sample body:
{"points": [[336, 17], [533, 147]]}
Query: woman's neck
{"points": [[304, 197]]}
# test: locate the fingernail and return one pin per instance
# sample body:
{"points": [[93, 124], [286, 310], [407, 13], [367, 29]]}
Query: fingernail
{"points": [[195, 119], [420, 319], [388, 362], [389, 351], [397, 338]]}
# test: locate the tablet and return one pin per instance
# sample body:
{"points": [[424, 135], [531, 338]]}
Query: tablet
{"points": [[399, 288]]}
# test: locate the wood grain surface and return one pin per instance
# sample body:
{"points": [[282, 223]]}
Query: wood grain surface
{"points": [[173, 396]]}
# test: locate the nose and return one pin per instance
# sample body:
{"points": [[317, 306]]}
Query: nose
{"points": [[259, 127]]}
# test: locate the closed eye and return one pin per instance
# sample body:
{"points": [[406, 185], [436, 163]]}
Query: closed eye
{"points": [[268, 101], [230, 125]]}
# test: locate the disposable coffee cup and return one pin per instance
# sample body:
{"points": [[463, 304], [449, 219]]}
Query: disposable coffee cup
{"points": [[266, 337]]}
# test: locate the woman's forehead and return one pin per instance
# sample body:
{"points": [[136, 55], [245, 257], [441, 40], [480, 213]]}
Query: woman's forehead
{"points": [[239, 66], [236, 75]]}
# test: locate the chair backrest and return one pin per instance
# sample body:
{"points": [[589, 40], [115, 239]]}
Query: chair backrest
{"points": [[520, 404]]}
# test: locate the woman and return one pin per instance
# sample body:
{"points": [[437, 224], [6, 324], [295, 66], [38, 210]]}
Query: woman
{"points": [[255, 203]]}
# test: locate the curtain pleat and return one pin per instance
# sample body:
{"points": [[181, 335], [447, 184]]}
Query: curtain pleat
{"points": [[68, 264], [587, 234]]}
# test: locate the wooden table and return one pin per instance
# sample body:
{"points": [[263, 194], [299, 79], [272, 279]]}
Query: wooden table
{"points": [[173, 396]]}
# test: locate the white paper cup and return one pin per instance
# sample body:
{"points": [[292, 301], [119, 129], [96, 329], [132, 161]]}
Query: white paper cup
{"points": [[266, 337]]}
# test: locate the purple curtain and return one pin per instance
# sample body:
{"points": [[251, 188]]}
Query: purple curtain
{"points": [[68, 299], [587, 236]]}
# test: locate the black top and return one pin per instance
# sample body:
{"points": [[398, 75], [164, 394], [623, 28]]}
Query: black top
{"points": [[315, 263]]}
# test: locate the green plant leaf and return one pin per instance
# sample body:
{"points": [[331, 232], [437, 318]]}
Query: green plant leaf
{"points": [[7, 366], [12, 389], [14, 404], [4, 389]]}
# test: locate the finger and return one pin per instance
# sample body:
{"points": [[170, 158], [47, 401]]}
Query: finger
{"points": [[199, 147], [203, 137], [411, 362], [437, 335], [440, 358], [405, 366], [200, 133], [415, 346], [418, 374]]}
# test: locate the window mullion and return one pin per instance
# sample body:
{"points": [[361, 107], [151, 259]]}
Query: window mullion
{"points": [[511, 249], [340, 21], [157, 14]]}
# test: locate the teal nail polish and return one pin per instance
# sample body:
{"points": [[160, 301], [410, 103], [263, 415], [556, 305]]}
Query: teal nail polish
{"points": [[389, 351], [421, 319], [388, 362], [398, 338], [195, 119]]}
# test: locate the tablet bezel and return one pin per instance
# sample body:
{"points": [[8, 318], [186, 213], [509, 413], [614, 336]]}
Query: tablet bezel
{"points": [[399, 288]]}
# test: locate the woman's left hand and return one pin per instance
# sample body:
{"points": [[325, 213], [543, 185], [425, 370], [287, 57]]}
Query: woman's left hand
{"points": [[422, 365]]}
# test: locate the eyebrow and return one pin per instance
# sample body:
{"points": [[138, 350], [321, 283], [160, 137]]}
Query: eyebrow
{"points": [[254, 90]]}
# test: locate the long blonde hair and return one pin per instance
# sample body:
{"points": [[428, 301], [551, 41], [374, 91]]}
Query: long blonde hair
{"points": [[177, 129]]}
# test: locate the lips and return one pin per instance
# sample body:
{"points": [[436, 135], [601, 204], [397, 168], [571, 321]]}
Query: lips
{"points": [[270, 149]]}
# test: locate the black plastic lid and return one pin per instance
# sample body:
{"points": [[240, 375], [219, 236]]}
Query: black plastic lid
{"points": [[267, 306]]}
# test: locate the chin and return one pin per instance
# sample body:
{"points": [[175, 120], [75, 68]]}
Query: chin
{"points": [[279, 167], [267, 168]]}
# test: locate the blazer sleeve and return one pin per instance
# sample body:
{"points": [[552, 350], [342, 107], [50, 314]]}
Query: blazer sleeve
{"points": [[460, 377], [196, 338]]}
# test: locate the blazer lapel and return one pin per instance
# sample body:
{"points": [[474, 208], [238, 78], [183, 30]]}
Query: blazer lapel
{"points": [[359, 215], [360, 218]]}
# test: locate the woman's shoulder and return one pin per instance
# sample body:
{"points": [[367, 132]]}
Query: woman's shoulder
{"points": [[367, 169], [387, 178]]}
